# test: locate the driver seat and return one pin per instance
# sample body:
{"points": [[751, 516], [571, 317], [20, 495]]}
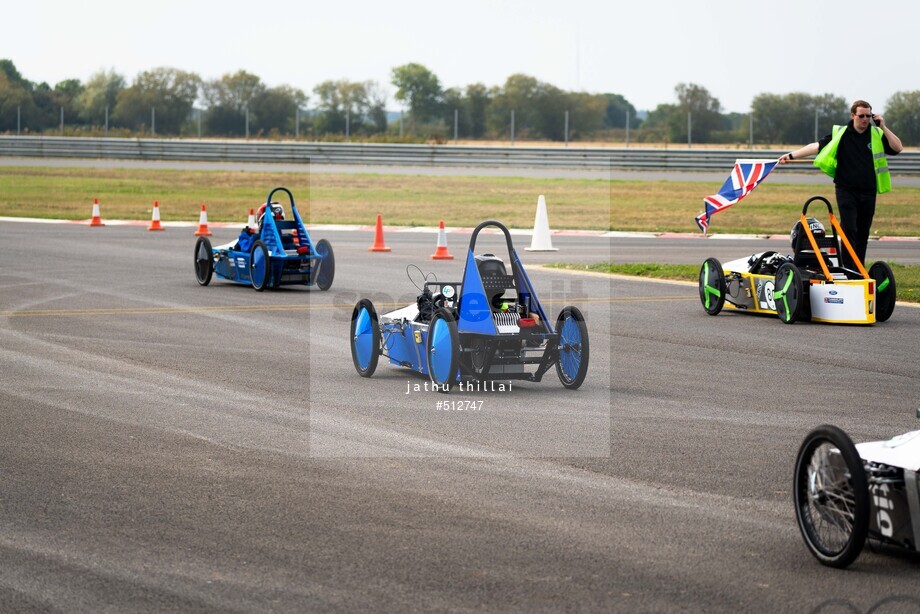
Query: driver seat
{"points": [[495, 279], [803, 255]]}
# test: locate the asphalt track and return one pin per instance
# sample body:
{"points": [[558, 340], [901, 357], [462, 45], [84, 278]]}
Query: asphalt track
{"points": [[165, 446]]}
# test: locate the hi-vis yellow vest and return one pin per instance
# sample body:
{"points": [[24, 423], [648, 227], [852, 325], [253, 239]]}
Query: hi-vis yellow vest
{"points": [[827, 157]]}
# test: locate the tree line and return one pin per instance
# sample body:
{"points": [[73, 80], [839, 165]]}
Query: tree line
{"points": [[169, 101]]}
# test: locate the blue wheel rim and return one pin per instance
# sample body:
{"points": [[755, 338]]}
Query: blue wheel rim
{"points": [[441, 351], [259, 267], [364, 338], [570, 348]]}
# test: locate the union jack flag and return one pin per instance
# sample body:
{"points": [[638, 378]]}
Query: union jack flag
{"points": [[746, 175]]}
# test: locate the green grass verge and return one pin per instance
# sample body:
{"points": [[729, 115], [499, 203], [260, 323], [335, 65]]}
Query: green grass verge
{"points": [[330, 198], [906, 276]]}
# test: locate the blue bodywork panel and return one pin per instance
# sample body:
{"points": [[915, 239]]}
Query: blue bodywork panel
{"points": [[475, 311], [402, 349]]}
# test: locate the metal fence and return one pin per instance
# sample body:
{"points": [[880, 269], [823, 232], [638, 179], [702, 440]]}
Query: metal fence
{"points": [[633, 158]]}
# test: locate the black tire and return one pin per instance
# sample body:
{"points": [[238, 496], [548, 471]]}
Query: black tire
{"points": [[260, 266], [789, 293], [365, 338], [831, 496], [885, 290], [204, 261], [443, 337], [574, 349], [324, 272], [712, 286]]}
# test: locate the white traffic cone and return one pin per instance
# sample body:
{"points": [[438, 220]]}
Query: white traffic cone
{"points": [[541, 241], [251, 222]]}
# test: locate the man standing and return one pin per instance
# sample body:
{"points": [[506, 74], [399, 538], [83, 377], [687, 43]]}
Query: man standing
{"points": [[854, 155]]}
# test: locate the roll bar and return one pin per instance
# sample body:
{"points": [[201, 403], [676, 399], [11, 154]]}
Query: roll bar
{"points": [[280, 189], [498, 225]]}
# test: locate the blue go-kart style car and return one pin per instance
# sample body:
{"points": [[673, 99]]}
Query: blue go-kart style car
{"points": [[279, 253], [490, 326]]}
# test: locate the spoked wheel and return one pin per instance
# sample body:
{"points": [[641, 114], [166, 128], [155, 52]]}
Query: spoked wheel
{"points": [[885, 290], [443, 350], [365, 338], [831, 496], [324, 272], [789, 293], [712, 286], [572, 366], [204, 261], [259, 266]]}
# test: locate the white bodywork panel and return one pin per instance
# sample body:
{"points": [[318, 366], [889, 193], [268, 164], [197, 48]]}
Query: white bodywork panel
{"points": [[409, 312], [902, 451], [846, 302], [738, 266]]}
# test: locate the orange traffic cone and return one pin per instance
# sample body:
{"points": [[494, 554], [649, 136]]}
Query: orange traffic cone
{"points": [[379, 245], [251, 222], [155, 222], [203, 223], [97, 220], [441, 252]]}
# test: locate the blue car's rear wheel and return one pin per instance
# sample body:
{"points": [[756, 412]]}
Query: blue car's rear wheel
{"points": [[324, 271], [365, 338], [259, 266], [789, 293], [443, 350], [572, 366], [712, 286], [885, 290], [204, 261], [831, 496]]}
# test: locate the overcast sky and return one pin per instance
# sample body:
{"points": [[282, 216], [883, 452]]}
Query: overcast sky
{"points": [[638, 49]]}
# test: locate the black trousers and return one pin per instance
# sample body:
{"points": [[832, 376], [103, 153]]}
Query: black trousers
{"points": [[857, 209]]}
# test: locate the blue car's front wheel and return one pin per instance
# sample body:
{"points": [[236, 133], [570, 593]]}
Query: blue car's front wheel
{"points": [[365, 338], [324, 269], [204, 262], [443, 350], [572, 365], [259, 266]]}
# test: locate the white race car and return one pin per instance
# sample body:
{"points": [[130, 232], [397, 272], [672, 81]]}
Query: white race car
{"points": [[846, 493]]}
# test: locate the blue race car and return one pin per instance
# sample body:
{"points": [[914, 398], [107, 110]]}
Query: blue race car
{"points": [[279, 253], [488, 327]]}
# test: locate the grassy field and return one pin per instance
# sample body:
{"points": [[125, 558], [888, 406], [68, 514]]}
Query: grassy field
{"points": [[67, 193], [907, 277]]}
